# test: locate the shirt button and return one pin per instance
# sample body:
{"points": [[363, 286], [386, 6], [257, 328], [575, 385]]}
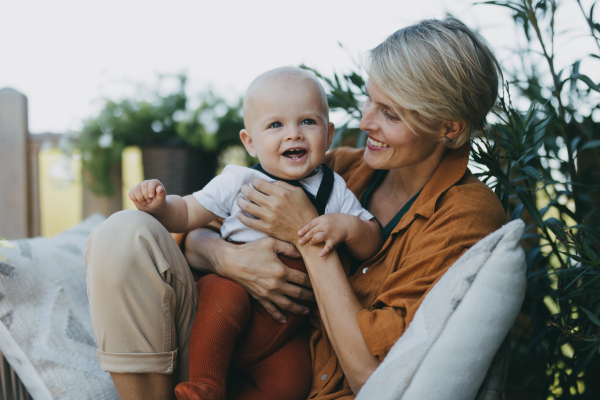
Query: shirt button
{"points": [[324, 377], [365, 270]]}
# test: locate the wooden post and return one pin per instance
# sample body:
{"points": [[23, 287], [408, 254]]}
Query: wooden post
{"points": [[35, 144], [14, 168]]}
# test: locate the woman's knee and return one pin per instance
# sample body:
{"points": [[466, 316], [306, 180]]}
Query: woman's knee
{"points": [[118, 247], [124, 226]]}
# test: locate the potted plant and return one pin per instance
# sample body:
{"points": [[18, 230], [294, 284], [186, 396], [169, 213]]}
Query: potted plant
{"points": [[179, 147]]}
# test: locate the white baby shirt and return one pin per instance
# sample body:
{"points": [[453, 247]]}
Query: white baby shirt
{"points": [[220, 195]]}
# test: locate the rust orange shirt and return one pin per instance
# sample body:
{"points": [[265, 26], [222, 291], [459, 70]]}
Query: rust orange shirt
{"points": [[453, 212]]}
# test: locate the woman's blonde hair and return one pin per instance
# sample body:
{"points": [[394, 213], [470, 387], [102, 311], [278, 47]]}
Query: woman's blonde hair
{"points": [[436, 71]]}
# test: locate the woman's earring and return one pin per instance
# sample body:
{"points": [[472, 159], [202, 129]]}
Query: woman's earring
{"points": [[445, 140]]}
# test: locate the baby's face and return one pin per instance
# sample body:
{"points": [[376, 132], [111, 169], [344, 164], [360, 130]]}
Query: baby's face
{"points": [[287, 127]]}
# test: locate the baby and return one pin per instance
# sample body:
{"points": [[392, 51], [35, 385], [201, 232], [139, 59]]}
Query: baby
{"points": [[287, 127]]}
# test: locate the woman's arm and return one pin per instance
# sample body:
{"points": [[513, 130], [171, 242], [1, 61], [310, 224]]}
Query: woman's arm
{"points": [[255, 266], [339, 308], [282, 210]]}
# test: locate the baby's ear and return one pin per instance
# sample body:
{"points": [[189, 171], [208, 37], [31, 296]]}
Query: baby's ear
{"points": [[330, 133], [247, 141]]}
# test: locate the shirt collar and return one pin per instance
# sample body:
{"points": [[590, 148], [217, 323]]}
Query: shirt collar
{"points": [[448, 173]]}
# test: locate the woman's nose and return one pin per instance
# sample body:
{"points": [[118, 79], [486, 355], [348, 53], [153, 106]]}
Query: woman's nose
{"points": [[367, 122]]}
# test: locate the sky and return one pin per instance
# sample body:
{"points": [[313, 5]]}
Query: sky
{"points": [[67, 56]]}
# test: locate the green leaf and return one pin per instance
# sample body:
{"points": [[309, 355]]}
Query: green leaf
{"points": [[585, 79], [575, 257], [577, 278], [530, 206], [583, 361], [575, 142], [550, 222], [356, 80], [532, 172], [576, 67], [517, 212], [590, 145], [590, 252], [531, 256], [591, 316]]}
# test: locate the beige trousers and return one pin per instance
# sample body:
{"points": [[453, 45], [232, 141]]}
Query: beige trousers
{"points": [[143, 298]]}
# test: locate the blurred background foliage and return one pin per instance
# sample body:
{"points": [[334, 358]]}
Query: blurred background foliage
{"points": [[541, 159], [158, 120]]}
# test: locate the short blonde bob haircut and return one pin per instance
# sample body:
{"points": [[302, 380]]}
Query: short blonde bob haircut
{"points": [[436, 71]]}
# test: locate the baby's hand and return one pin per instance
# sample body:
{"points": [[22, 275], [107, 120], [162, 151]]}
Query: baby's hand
{"points": [[148, 196], [330, 229]]}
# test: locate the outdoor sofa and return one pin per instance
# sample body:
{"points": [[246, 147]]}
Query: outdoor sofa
{"points": [[456, 348]]}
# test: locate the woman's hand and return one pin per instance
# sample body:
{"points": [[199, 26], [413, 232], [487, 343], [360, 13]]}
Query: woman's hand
{"points": [[254, 266], [280, 209]]}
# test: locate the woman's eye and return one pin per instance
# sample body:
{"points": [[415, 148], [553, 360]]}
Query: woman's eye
{"points": [[308, 121], [276, 125], [390, 116]]}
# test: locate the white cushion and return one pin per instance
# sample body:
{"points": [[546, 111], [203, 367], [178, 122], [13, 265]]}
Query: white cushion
{"points": [[46, 331], [447, 349]]}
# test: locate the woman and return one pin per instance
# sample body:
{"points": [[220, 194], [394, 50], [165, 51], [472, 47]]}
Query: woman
{"points": [[430, 88]]}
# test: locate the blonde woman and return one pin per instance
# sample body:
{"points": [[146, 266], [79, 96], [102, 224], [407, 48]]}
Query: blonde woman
{"points": [[430, 88]]}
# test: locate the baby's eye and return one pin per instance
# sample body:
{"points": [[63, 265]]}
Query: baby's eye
{"points": [[308, 121], [275, 125]]}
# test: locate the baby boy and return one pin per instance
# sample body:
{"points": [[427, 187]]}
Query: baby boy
{"points": [[287, 128]]}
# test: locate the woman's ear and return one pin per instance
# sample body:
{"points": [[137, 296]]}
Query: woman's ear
{"points": [[452, 129], [247, 141], [330, 133]]}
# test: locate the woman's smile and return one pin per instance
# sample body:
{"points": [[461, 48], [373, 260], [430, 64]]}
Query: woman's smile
{"points": [[376, 145]]}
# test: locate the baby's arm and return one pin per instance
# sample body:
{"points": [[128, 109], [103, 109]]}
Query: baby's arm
{"points": [[177, 214], [363, 238]]}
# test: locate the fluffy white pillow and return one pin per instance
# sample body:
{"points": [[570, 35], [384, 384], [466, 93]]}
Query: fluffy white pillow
{"points": [[447, 349]]}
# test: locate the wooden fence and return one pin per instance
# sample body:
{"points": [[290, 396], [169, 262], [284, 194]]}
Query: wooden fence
{"points": [[11, 387], [20, 215]]}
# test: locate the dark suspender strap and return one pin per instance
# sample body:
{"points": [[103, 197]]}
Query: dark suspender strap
{"points": [[325, 189]]}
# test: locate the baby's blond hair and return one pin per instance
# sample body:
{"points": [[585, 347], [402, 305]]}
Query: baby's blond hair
{"points": [[436, 71], [284, 76]]}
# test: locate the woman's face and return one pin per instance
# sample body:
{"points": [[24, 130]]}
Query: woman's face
{"points": [[391, 143]]}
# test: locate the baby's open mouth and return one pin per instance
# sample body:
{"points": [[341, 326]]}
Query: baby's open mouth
{"points": [[294, 154]]}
